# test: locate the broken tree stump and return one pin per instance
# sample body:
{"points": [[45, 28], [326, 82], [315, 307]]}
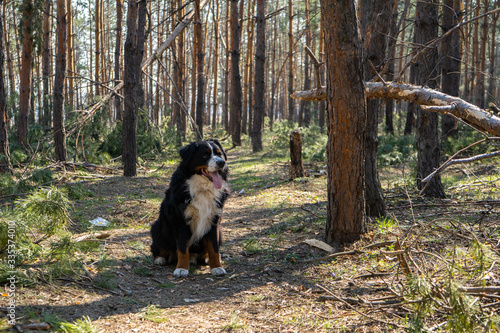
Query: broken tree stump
{"points": [[296, 166]]}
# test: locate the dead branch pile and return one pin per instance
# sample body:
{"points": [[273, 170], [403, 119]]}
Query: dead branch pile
{"points": [[440, 275]]}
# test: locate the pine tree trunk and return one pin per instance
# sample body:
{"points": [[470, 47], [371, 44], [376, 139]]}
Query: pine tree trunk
{"points": [[118, 56], [428, 148], [47, 115], [480, 85], [391, 66], [71, 56], [132, 83], [375, 15], [247, 79], [200, 63], [260, 88], [97, 74], [493, 54], [215, 100], [346, 122], [236, 93], [227, 78], [25, 79], [305, 107], [5, 165], [450, 65], [59, 82], [291, 101]]}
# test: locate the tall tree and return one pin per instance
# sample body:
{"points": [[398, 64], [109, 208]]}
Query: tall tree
{"points": [[305, 107], [26, 68], [59, 82], [118, 62], [346, 110], [374, 17], [452, 56], [132, 83], [236, 93], [216, 66], [260, 88], [71, 55], [46, 63], [425, 69], [5, 165], [291, 69], [200, 61]]}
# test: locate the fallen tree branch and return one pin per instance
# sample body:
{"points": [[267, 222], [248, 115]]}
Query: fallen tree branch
{"points": [[439, 102], [452, 160]]}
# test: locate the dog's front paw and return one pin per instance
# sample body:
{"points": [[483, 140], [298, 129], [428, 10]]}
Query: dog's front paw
{"points": [[181, 272], [218, 271], [160, 261]]}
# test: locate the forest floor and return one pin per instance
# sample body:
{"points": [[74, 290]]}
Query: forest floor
{"points": [[270, 286]]}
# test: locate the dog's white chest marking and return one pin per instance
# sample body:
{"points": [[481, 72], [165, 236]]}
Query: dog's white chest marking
{"points": [[203, 206]]}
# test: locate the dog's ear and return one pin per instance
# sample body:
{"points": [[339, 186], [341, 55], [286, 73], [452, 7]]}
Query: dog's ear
{"points": [[220, 147], [187, 152]]}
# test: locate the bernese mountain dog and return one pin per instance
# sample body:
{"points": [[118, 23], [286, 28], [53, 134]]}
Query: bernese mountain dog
{"points": [[189, 226]]}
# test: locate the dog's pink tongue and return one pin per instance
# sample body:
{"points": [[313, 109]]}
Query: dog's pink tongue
{"points": [[217, 179]]}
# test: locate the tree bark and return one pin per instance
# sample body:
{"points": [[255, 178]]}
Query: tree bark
{"points": [[132, 89], [260, 87], [59, 131], [26, 65], [46, 119], [200, 62], [5, 165], [346, 112], [450, 65], [305, 107], [236, 93], [291, 102], [118, 56], [296, 166], [374, 17], [70, 55], [428, 145]]}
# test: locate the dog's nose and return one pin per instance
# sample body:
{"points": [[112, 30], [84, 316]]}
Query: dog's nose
{"points": [[220, 162]]}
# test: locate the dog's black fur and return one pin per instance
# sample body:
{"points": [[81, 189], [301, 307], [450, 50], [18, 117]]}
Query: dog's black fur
{"points": [[190, 215]]}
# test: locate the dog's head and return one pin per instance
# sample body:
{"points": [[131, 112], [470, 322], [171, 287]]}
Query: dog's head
{"points": [[206, 158]]}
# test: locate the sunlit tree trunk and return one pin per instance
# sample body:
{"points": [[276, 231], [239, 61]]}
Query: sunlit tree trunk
{"points": [[215, 101], [118, 56], [5, 165], [132, 88], [480, 85], [26, 67], [227, 78], [260, 65], [200, 63], [71, 55], [492, 84], [247, 79], [305, 107], [98, 27], [291, 101], [346, 122], [59, 82], [47, 115], [236, 93]]}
